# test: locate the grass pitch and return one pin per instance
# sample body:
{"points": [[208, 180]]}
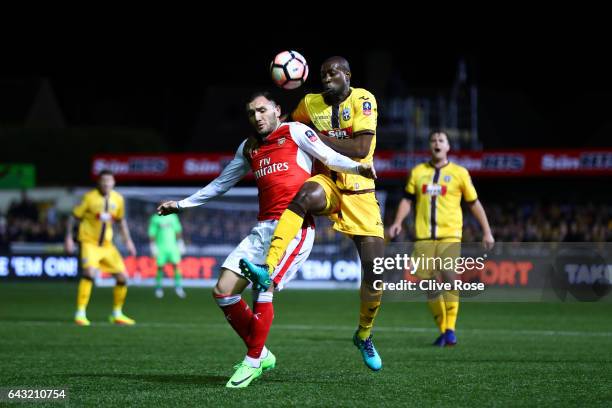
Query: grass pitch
{"points": [[181, 352]]}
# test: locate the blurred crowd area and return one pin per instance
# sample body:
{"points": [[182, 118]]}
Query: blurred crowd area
{"points": [[534, 222], [29, 221]]}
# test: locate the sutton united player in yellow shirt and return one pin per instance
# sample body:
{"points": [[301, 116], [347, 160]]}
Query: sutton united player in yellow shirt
{"points": [[345, 118], [356, 114], [97, 212], [437, 192], [437, 187]]}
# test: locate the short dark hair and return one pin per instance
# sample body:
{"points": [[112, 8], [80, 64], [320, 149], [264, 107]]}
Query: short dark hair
{"points": [[266, 94], [433, 132], [105, 172], [340, 61]]}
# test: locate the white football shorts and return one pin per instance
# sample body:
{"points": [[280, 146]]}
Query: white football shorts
{"points": [[255, 248]]}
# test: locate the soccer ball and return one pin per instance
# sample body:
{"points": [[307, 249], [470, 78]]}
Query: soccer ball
{"points": [[289, 69]]}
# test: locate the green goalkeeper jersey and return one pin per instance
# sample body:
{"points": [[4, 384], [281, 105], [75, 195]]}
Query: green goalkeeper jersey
{"points": [[164, 229]]}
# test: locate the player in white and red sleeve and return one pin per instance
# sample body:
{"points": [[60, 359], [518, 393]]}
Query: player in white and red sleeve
{"points": [[281, 158]]}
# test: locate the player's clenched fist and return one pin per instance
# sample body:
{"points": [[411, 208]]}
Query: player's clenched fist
{"points": [[367, 170], [168, 207]]}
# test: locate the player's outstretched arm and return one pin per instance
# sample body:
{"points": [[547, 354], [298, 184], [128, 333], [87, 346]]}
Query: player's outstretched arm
{"points": [[403, 209], [231, 174], [125, 234], [308, 141], [77, 213], [68, 240], [479, 213], [358, 146]]}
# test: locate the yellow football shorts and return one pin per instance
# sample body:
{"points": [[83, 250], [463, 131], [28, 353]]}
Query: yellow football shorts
{"points": [[352, 214], [436, 256], [105, 258]]}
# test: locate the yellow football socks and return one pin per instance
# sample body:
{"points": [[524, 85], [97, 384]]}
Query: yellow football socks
{"points": [[119, 294], [438, 310], [83, 293], [451, 301], [370, 305], [287, 228]]}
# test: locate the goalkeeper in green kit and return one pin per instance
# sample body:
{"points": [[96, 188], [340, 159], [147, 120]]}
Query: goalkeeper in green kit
{"points": [[167, 246]]}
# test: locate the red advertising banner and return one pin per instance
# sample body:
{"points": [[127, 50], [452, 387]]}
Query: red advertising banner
{"points": [[162, 166], [191, 267], [506, 163], [503, 272], [389, 164], [495, 273]]}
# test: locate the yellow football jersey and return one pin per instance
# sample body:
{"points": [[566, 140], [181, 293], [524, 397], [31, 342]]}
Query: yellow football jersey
{"points": [[356, 113], [438, 195], [97, 214]]}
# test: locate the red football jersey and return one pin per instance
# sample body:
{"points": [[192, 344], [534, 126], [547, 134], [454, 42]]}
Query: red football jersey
{"points": [[280, 168], [281, 163]]}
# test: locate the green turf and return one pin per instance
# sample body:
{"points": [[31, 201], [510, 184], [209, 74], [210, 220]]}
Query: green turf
{"points": [[181, 352]]}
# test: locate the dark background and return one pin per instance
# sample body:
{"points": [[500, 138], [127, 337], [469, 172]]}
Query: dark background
{"points": [[538, 92], [62, 101]]}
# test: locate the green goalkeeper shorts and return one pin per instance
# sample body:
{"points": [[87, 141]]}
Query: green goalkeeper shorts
{"points": [[166, 256]]}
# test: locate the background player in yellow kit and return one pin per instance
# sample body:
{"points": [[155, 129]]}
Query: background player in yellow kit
{"points": [[345, 119], [437, 187], [99, 209]]}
